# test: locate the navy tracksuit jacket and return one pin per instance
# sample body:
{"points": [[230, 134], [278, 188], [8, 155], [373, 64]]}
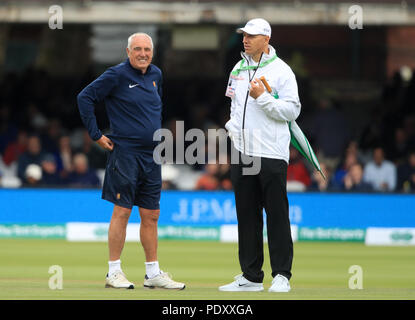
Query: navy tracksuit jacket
{"points": [[133, 103]]}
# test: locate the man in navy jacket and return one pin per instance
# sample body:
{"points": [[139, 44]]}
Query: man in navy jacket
{"points": [[132, 93]]}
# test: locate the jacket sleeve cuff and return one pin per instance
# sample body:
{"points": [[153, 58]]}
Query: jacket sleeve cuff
{"points": [[263, 98], [97, 136]]}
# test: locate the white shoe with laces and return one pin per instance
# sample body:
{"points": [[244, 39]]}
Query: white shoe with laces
{"points": [[163, 281], [242, 284], [280, 284], [118, 280]]}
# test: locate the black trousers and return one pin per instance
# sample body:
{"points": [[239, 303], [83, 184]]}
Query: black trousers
{"points": [[253, 193]]}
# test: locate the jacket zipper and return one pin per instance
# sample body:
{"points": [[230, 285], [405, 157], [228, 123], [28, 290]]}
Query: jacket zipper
{"points": [[243, 120], [246, 100]]}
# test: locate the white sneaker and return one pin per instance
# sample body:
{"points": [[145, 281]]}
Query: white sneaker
{"points": [[242, 284], [280, 284], [118, 280], [163, 281]]}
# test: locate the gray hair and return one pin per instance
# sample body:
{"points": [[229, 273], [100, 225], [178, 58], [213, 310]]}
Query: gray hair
{"points": [[130, 38]]}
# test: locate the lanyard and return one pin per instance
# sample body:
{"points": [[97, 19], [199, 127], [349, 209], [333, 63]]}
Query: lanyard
{"points": [[244, 68]]}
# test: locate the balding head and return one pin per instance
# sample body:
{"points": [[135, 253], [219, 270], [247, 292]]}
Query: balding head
{"points": [[139, 34], [140, 51]]}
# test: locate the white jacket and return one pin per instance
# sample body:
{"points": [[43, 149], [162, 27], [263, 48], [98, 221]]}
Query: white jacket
{"points": [[258, 127]]}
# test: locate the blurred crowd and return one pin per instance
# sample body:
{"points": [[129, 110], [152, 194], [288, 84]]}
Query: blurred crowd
{"points": [[36, 160], [381, 158], [43, 142]]}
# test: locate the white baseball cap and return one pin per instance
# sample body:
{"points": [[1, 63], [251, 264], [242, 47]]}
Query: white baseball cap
{"points": [[256, 26]]}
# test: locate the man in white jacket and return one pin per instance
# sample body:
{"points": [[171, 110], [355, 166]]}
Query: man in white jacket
{"points": [[258, 128]]}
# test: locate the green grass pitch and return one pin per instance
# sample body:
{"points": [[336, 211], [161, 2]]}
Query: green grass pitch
{"points": [[320, 271]]}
